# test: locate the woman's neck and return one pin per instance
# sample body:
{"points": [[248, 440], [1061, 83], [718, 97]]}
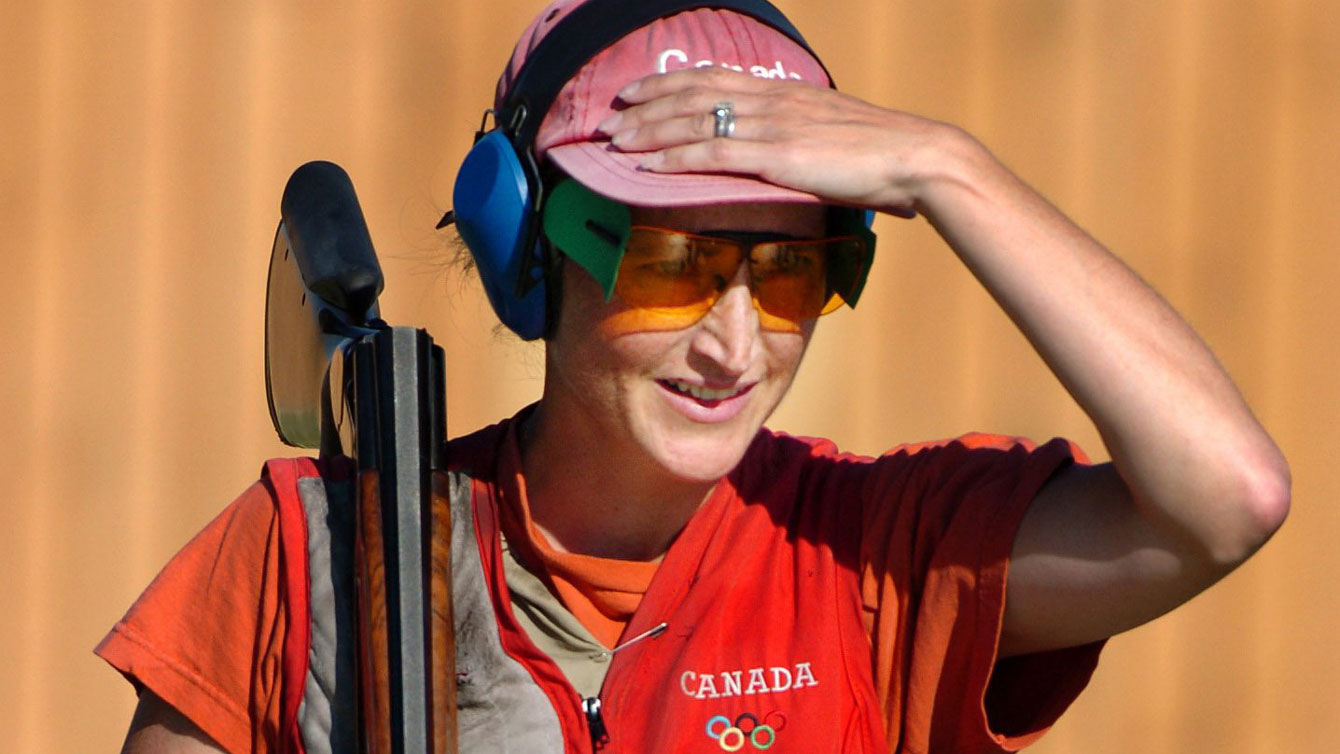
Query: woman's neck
{"points": [[596, 500]]}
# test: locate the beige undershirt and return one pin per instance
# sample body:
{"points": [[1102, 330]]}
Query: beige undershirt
{"points": [[555, 630]]}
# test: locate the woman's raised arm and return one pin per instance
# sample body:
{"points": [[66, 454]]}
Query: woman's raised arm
{"points": [[1195, 485]]}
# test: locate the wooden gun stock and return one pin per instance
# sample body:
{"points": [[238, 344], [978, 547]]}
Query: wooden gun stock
{"points": [[374, 649], [374, 668], [441, 625], [341, 379]]}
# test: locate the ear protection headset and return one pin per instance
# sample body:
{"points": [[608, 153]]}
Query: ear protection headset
{"points": [[499, 195]]}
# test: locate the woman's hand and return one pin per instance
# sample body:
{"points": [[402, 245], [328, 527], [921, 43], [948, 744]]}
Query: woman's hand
{"points": [[789, 133]]}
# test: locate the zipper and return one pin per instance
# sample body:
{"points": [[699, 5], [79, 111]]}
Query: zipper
{"points": [[595, 722], [599, 734]]}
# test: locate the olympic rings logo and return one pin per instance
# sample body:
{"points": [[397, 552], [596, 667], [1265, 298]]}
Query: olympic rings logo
{"points": [[731, 736]]}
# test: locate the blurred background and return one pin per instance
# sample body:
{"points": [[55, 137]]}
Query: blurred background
{"points": [[144, 146]]}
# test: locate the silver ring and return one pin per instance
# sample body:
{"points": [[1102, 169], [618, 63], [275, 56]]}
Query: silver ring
{"points": [[723, 113]]}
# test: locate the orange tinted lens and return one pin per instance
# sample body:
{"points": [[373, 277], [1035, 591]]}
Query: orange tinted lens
{"points": [[790, 279], [666, 269], [670, 279]]}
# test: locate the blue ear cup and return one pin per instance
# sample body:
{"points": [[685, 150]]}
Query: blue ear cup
{"points": [[495, 215]]}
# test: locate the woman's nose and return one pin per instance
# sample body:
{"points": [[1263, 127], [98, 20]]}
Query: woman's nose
{"points": [[728, 333]]}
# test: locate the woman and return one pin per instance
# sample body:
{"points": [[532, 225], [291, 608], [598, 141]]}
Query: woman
{"points": [[669, 575]]}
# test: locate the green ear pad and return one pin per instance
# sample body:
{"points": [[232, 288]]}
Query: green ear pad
{"points": [[589, 229], [851, 277]]}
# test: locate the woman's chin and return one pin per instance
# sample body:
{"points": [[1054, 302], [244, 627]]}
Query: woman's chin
{"points": [[692, 450], [703, 460]]}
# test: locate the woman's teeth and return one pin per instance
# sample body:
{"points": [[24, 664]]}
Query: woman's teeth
{"points": [[702, 393]]}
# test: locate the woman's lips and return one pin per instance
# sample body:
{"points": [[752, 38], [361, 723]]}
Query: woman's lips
{"points": [[705, 404]]}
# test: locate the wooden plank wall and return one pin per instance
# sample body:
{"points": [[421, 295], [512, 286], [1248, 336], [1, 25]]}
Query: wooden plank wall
{"points": [[145, 144]]}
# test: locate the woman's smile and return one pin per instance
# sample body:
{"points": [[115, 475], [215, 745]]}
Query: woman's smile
{"points": [[705, 404]]}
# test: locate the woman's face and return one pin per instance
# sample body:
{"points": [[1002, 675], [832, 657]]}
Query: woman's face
{"points": [[688, 401]]}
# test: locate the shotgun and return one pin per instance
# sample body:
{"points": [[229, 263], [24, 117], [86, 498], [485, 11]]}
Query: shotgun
{"points": [[371, 397]]}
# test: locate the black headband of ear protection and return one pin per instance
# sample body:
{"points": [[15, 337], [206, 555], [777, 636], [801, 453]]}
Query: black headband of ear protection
{"points": [[583, 34]]}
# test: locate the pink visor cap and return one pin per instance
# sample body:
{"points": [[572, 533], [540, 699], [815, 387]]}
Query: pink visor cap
{"points": [[695, 38]]}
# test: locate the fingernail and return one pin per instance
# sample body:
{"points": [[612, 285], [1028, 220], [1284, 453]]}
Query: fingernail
{"points": [[610, 124], [620, 138], [628, 90], [652, 161]]}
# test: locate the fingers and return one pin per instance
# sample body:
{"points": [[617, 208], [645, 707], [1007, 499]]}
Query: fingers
{"points": [[715, 155], [694, 93], [661, 133], [671, 117], [678, 108], [685, 111], [660, 85]]}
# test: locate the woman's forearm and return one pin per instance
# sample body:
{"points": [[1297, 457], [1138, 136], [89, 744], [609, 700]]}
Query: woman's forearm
{"points": [[1178, 430]]}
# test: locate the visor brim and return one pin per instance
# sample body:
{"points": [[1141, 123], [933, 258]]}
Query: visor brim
{"points": [[615, 174]]}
